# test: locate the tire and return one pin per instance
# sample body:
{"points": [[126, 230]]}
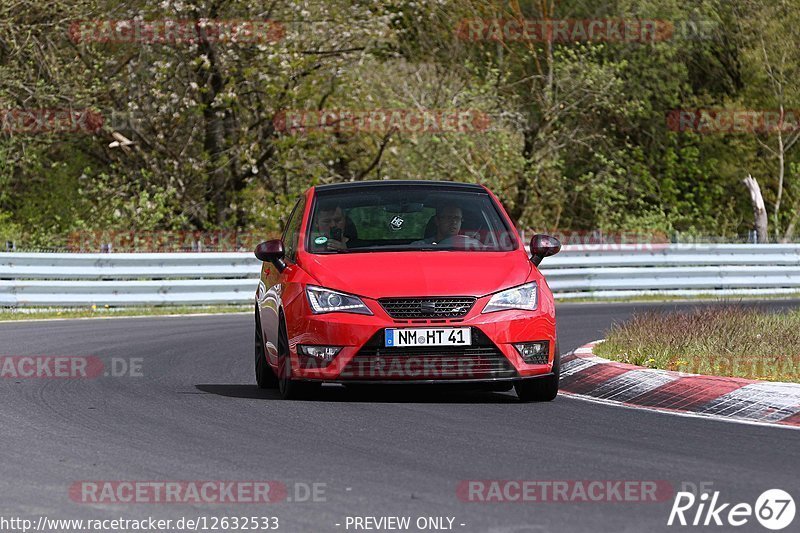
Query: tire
{"points": [[541, 389], [265, 377], [289, 388]]}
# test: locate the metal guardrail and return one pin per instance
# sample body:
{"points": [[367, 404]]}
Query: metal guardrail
{"points": [[584, 271], [614, 271], [66, 279]]}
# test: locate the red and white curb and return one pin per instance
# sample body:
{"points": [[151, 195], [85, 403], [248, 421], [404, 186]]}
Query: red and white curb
{"points": [[727, 398]]}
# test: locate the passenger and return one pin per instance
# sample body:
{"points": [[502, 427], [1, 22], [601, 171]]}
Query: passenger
{"points": [[332, 229]]}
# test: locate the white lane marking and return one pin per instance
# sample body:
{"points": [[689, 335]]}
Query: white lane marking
{"points": [[758, 401], [685, 414], [576, 365], [631, 384]]}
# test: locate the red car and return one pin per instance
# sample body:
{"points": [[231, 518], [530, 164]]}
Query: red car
{"points": [[404, 282]]}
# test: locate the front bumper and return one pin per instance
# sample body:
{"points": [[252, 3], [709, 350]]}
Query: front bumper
{"points": [[363, 358], [437, 381]]}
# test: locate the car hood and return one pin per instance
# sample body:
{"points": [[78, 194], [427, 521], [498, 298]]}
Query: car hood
{"points": [[436, 273]]}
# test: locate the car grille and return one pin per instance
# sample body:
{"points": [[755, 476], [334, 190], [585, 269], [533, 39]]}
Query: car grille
{"points": [[481, 361], [408, 308]]}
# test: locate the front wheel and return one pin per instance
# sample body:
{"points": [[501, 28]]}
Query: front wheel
{"points": [[541, 389], [289, 388], [265, 377]]}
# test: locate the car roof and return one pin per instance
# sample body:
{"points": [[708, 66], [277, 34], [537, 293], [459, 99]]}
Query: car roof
{"points": [[455, 185]]}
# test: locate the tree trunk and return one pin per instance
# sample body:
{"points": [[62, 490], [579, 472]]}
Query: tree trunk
{"points": [[789, 235], [759, 211], [781, 173]]}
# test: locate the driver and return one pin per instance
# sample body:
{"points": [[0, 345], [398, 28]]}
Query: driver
{"points": [[448, 222], [448, 226]]}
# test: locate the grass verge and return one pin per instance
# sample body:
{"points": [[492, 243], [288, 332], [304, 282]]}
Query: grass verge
{"points": [[10, 315], [720, 341]]}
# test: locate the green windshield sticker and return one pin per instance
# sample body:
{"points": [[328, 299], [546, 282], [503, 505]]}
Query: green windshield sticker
{"points": [[320, 240]]}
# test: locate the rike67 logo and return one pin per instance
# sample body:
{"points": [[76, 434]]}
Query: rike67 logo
{"points": [[774, 509]]}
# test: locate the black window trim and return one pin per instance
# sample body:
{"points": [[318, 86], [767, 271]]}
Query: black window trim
{"points": [[456, 187], [300, 204]]}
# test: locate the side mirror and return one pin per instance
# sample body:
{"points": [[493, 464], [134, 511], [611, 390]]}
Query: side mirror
{"points": [[543, 246], [272, 252]]}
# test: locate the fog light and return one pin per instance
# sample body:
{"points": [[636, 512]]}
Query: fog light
{"points": [[321, 354], [534, 353]]}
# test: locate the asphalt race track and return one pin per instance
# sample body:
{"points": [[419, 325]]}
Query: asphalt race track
{"points": [[195, 414]]}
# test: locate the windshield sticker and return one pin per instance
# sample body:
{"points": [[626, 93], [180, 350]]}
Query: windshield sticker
{"points": [[397, 223], [320, 240]]}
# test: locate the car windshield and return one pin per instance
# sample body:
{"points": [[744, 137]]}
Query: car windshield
{"points": [[406, 218]]}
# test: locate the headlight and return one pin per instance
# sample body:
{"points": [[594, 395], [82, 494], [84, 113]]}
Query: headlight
{"points": [[525, 297], [328, 301]]}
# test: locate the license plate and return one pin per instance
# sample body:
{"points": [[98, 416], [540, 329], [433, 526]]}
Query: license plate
{"points": [[429, 337]]}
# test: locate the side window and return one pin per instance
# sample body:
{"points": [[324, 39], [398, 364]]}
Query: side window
{"points": [[292, 232]]}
